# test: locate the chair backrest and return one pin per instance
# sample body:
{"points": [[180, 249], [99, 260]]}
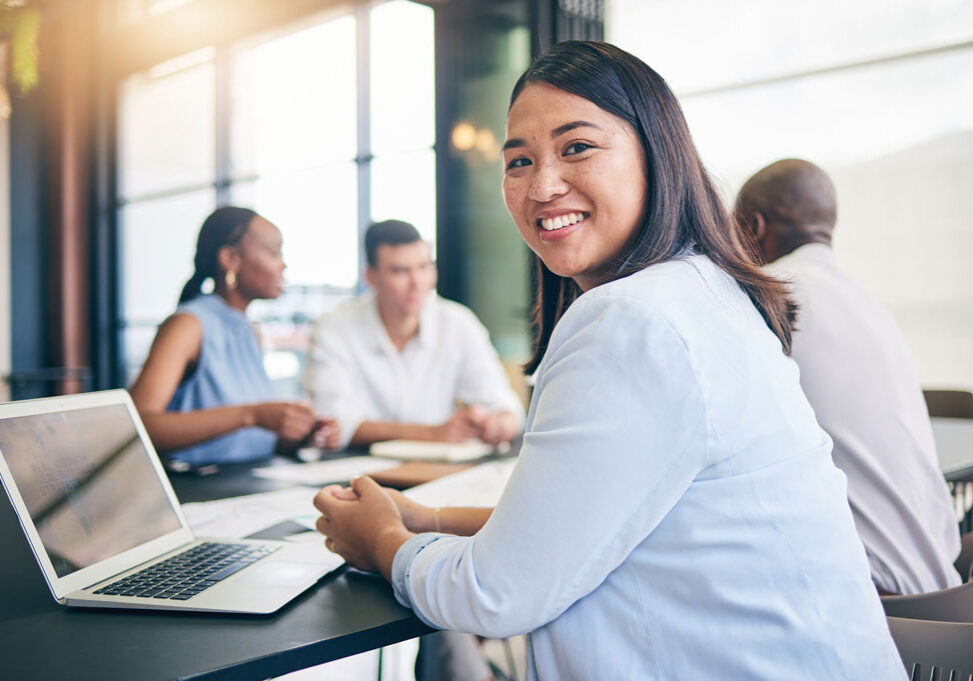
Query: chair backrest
{"points": [[934, 651], [957, 404], [946, 605], [964, 561]]}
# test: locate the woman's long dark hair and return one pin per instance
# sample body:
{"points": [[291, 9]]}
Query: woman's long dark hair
{"points": [[683, 209], [224, 227]]}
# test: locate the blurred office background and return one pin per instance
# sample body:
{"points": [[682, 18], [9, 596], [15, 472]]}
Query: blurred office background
{"points": [[326, 115], [879, 94]]}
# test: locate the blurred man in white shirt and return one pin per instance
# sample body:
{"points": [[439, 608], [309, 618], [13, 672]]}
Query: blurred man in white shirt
{"points": [[859, 377], [403, 363]]}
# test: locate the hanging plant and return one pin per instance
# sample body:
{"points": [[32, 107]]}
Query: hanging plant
{"points": [[19, 27]]}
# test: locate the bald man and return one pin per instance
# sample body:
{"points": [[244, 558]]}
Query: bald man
{"points": [[859, 377]]}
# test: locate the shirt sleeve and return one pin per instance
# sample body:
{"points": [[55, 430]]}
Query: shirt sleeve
{"points": [[618, 431], [482, 379], [330, 381]]}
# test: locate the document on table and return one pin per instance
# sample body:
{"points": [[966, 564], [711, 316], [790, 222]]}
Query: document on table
{"points": [[431, 451], [325, 472], [238, 517], [479, 486]]}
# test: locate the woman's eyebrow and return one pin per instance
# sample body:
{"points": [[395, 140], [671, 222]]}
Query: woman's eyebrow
{"points": [[567, 127], [555, 133]]}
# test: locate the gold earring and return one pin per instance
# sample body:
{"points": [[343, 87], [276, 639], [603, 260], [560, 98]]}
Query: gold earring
{"points": [[230, 279]]}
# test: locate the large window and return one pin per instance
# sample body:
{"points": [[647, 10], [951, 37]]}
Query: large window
{"points": [[321, 128], [166, 134], [881, 96]]}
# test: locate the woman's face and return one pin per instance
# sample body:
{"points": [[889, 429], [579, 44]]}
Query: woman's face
{"points": [[574, 182], [260, 273]]}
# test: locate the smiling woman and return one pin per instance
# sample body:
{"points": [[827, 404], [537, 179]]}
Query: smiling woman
{"points": [[652, 170], [575, 190], [674, 512]]}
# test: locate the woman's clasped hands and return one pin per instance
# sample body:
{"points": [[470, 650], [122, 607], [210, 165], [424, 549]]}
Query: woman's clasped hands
{"points": [[365, 523]]}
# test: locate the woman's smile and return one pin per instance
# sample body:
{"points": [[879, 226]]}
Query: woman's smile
{"points": [[557, 225]]}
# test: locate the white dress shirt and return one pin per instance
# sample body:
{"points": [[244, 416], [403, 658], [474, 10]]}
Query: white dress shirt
{"points": [[674, 512], [859, 377], [356, 374]]}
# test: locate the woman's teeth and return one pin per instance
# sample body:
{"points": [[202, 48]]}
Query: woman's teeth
{"points": [[550, 224]]}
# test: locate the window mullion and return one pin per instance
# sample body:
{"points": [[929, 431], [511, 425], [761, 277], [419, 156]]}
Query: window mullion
{"points": [[363, 160], [222, 119]]}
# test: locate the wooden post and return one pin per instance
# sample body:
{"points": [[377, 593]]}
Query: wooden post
{"points": [[66, 64]]}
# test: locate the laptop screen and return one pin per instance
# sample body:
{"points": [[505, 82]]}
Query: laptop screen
{"points": [[88, 483]]}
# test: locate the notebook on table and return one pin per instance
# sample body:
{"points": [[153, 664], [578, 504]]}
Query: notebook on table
{"points": [[419, 450], [107, 529], [412, 473]]}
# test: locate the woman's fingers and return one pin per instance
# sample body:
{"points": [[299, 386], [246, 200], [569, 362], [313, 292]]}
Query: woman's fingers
{"points": [[297, 421], [352, 517], [324, 494], [364, 485], [345, 493]]}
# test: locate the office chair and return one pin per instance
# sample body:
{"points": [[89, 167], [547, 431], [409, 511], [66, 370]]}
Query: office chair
{"points": [[960, 491], [957, 404], [946, 605], [964, 561], [934, 651]]}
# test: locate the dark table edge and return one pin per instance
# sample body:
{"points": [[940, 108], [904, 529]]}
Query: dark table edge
{"points": [[320, 652]]}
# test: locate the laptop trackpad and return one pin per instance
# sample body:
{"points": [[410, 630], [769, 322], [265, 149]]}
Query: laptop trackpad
{"points": [[279, 572]]}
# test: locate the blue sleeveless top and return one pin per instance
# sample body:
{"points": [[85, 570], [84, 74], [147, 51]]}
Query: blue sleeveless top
{"points": [[229, 371]]}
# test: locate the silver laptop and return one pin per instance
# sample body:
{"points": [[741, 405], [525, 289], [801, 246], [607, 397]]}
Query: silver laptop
{"points": [[107, 529]]}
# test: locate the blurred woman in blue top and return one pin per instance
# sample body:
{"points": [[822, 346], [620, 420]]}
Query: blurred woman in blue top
{"points": [[203, 392], [674, 512]]}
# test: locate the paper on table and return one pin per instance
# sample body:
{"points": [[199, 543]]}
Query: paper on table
{"points": [[324, 472], [237, 517], [431, 451], [479, 486], [309, 538]]}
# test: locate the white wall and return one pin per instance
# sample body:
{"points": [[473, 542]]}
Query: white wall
{"points": [[878, 94]]}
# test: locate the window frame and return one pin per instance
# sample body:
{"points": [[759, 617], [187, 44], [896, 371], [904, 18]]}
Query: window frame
{"points": [[138, 49]]}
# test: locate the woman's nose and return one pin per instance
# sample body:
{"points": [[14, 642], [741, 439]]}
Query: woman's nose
{"points": [[547, 183]]}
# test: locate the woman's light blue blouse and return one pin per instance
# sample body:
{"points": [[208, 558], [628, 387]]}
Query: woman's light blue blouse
{"points": [[674, 513], [230, 371]]}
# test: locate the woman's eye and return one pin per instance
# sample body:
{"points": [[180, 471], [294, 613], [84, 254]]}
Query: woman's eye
{"points": [[576, 148], [518, 163]]}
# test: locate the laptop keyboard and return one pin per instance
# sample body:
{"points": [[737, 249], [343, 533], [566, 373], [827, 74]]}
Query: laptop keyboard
{"points": [[186, 574]]}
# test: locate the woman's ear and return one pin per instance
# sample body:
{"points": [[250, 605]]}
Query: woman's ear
{"points": [[229, 258]]}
